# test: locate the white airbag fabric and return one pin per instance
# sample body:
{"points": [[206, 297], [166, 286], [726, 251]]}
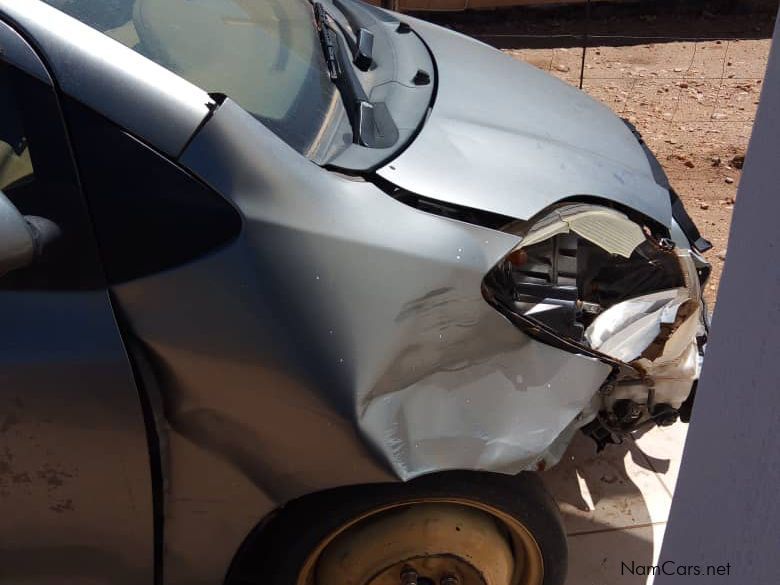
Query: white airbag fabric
{"points": [[626, 329]]}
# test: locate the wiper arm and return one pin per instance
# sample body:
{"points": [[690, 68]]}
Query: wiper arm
{"points": [[359, 109], [329, 44], [372, 124]]}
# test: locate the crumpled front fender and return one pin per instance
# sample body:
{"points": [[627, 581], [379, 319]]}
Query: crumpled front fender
{"points": [[342, 338], [376, 308]]}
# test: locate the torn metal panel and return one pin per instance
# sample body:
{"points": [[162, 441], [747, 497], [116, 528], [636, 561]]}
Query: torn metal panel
{"points": [[495, 407], [607, 228], [659, 334]]}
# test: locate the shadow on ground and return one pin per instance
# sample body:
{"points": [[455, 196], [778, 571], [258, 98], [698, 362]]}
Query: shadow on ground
{"points": [[614, 507]]}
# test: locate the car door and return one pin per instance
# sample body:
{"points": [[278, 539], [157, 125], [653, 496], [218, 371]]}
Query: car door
{"points": [[76, 502]]}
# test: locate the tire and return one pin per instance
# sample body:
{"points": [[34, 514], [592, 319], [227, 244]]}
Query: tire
{"points": [[277, 550]]}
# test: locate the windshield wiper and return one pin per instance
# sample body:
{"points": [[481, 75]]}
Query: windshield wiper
{"points": [[329, 44], [360, 111]]}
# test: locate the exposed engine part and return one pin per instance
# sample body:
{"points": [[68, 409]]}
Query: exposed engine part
{"points": [[545, 284], [581, 259], [590, 277], [601, 435], [664, 415], [626, 413]]}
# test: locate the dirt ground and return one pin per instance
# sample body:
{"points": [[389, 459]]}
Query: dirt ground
{"points": [[689, 81]]}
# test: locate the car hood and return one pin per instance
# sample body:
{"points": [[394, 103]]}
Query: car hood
{"points": [[505, 137]]}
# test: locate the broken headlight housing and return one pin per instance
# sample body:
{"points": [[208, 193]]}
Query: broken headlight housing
{"points": [[591, 280]]}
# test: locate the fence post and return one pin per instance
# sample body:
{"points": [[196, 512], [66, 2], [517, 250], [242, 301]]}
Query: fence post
{"points": [[585, 40]]}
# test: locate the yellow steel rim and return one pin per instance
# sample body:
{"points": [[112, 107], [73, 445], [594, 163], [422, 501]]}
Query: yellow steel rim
{"points": [[527, 563]]}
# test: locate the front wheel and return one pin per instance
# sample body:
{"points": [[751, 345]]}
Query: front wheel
{"points": [[453, 528]]}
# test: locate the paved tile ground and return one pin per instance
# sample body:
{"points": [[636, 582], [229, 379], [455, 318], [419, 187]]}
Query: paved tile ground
{"points": [[615, 504]]}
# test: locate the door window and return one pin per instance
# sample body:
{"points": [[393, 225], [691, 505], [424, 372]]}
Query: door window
{"points": [[37, 174], [16, 167], [15, 161]]}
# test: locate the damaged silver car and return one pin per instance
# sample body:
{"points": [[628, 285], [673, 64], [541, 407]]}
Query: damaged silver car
{"points": [[303, 293]]}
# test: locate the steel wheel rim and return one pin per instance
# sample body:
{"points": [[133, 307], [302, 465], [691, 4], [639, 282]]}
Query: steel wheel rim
{"points": [[530, 571]]}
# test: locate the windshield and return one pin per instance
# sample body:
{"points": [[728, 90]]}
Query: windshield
{"points": [[263, 54]]}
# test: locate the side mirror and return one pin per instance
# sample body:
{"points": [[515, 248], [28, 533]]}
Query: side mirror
{"points": [[22, 238]]}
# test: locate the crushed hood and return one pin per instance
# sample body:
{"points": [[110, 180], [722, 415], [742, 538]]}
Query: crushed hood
{"points": [[505, 137]]}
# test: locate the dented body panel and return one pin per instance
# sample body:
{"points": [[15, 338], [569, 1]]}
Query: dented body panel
{"points": [[388, 302]]}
